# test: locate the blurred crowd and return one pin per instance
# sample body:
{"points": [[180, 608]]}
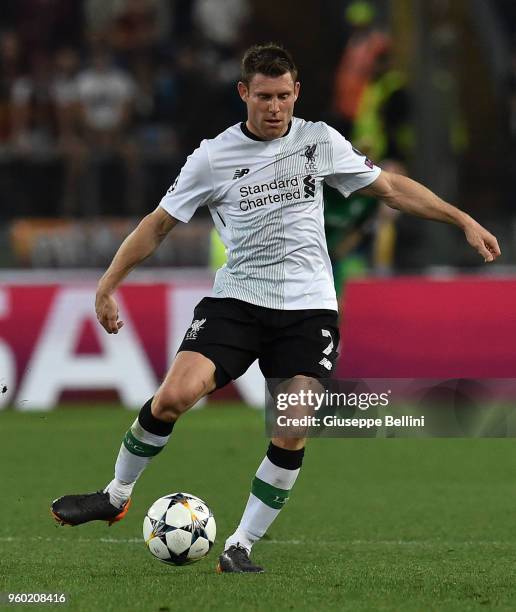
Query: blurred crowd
{"points": [[371, 107], [92, 83], [102, 100], [89, 80]]}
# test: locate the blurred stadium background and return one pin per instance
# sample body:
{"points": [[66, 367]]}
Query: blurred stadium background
{"points": [[102, 100], [100, 103]]}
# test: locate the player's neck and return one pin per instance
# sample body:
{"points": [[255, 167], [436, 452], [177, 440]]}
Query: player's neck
{"points": [[248, 130]]}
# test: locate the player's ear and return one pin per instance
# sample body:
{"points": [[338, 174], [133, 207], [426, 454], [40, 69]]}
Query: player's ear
{"points": [[243, 91], [297, 86]]}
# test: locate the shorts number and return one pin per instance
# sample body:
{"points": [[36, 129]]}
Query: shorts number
{"points": [[326, 362], [327, 334]]}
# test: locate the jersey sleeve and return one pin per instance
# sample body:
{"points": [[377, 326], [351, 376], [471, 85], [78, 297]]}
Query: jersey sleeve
{"points": [[192, 188], [352, 169]]}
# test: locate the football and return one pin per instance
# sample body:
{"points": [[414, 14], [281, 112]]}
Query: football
{"points": [[179, 528]]}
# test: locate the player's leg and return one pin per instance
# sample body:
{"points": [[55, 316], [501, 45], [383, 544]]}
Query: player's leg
{"points": [[303, 351], [219, 346], [191, 377], [270, 490]]}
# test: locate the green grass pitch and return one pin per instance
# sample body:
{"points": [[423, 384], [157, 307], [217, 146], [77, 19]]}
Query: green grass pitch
{"points": [[372, 524]]}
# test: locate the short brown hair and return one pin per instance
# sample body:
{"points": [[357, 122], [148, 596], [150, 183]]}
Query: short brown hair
{"points": [[269, 59]]}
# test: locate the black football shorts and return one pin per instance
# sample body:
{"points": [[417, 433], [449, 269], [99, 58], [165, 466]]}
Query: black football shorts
{"points": [[233, 333]]}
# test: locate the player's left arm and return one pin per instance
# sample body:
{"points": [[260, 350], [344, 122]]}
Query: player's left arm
{"points": [[407, 195]]}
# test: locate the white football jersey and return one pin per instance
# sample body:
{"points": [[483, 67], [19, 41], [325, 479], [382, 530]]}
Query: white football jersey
{"points": [[266, 200]]}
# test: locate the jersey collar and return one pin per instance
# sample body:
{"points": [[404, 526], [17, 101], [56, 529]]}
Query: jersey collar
{"points": [[252, 136]]}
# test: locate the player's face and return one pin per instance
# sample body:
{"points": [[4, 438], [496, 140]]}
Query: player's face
{"points": [[270, 104]]}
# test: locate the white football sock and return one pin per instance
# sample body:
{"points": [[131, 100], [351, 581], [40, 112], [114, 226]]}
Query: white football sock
{"points": [[119, 492], [136, 451], [270, 492]]}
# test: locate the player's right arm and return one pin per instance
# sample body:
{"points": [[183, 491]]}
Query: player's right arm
{"points": [[191, 189], [140, 244]]}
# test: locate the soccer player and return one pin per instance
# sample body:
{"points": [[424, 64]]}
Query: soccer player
{"points": [[274, 300]]}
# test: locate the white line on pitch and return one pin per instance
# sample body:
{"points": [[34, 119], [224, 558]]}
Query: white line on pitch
{"points": [[343, 543]]}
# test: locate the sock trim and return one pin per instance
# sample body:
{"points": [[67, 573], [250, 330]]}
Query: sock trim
{"points": [[270, 495], [144, 436], [139, 448], [285, 458], [151, 424]]}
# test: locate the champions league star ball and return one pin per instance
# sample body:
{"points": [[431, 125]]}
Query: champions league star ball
{"points": [[179, 529]]}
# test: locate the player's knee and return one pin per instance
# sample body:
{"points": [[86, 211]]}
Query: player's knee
{"points": [[303, 382], [172, 401]]}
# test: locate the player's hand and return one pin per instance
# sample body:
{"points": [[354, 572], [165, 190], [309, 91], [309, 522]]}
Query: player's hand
{"points": [[107, 313], [482, 241]]}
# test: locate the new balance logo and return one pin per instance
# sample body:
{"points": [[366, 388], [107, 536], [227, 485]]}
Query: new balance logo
{"points": [[240, 172], [194, 329]]}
